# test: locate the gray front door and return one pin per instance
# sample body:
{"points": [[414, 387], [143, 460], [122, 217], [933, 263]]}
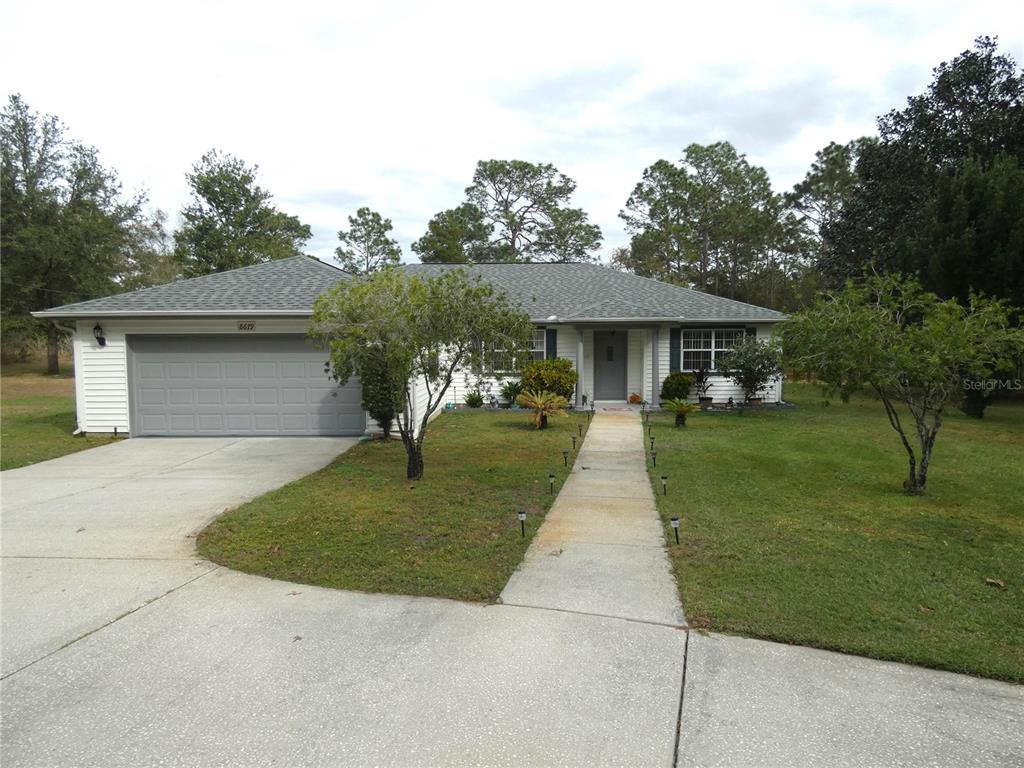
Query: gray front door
{"points": [[610, 365], [238, 385]]}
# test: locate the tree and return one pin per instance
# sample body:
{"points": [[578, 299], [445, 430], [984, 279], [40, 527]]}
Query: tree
{"points": [[417, 332], [914, 351], [971, 113], [751, 364], [150, 258], [713, 222], [365, 245], [818, 200], [230, 221], [456, 236], [65, 229], [526, 204]]}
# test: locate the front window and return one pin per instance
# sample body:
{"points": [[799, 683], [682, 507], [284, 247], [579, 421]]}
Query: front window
{"points": [[501, 361], [701, 348]]}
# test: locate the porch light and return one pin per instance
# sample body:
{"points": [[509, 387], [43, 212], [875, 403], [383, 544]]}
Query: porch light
{"points": [[522, 524], [675, 527], [97, 331]]}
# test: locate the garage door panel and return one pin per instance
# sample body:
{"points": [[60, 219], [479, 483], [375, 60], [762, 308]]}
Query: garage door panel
{"points": [[210, 385]]}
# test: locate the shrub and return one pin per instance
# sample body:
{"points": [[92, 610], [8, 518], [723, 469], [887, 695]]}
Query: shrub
{"points": [[676, 386], [751, 364], [543, 404], [380, 392], [510, 390], [474, 399], [555, 375], [680, 408]]}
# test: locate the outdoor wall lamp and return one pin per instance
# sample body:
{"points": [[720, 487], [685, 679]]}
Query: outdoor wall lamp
{"points": [[97, 331]]}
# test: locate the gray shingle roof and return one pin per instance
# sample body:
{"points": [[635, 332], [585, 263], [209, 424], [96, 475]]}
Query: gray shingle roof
{"points": [[571, 292], [274, 287], [592, 292]]}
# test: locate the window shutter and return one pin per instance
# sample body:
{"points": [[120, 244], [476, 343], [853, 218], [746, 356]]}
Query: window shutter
{"points": [[675, 336], [551, 344]]}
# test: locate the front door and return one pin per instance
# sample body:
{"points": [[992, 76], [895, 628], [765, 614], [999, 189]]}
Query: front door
{"points": [[610, 365]]}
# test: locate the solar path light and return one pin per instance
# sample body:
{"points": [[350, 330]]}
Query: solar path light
{"points": [[565, 457], [664, 485], [654, 457], [551, 483], [522, 524], [675, 527]]}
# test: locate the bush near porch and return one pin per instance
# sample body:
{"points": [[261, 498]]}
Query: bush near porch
{"points": [[359, 524], [795, 529]]}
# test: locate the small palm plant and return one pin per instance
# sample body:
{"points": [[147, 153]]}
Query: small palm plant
{"points": [[680, 408], [543, 404]]}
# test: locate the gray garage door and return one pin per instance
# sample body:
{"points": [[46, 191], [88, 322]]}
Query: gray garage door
{"points": [[237, 385]]}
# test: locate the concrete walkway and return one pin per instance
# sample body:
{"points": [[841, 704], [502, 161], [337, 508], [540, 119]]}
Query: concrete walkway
{"points": [[601, 549]]}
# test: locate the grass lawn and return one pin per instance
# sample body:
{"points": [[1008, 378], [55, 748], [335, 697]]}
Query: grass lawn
{"points": [[37, 415], [359, 524], [795, 529]]}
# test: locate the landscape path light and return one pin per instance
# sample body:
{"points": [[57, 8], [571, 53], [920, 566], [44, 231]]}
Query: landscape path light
{"points": [[574, 442], [652, 442], [565, 457], [654, 457], [522, 524], [675, 527], [551, 483], [664, 484]]}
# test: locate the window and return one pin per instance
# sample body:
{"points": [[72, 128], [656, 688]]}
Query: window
{"points": [[502, 362], [701, 348]]}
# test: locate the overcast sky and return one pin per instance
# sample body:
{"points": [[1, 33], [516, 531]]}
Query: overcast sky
{"points": [[391, 104]]}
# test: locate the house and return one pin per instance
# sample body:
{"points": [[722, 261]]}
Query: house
{"points": [[226, 354]]}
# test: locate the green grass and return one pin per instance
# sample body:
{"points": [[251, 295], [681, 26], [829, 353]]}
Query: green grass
{"points": [[795, 529], [37, 416], [359, 524]]}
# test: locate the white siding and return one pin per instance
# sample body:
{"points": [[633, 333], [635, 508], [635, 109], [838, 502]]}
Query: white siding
{"points": [[635, 361], [648, 373], [588, 364]]}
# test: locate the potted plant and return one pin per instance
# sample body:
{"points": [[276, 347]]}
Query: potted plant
{"points": [[510, 390], [474, 399], [702, 383], [680, 408], [752, 365], [635, 398]]}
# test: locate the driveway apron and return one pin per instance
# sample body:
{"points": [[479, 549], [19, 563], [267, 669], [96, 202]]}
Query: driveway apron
{"points": [[601, 549]]}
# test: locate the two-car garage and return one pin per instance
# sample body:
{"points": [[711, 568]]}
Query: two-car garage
{"points": [[237, 385]]}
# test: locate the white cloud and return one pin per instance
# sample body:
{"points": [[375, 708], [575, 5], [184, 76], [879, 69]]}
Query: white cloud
{"points": [[391, 104]]}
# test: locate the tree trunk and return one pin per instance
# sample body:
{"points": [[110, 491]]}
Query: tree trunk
{"points": [[680, 419], [52, 350], [912, 486], [414, 467], [543, 421]]}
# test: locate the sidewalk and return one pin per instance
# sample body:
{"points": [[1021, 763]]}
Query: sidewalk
{"points": [[600, 550]]}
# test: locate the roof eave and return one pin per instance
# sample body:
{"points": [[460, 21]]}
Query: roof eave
{"points": [[79, 314]]}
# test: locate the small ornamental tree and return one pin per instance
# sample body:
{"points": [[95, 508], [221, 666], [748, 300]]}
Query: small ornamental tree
{"points": [[420, 331], [751, 364], [913, 350]]}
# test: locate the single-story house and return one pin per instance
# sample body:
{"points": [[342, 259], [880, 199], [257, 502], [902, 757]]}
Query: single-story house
{"points": [[226, 354]]}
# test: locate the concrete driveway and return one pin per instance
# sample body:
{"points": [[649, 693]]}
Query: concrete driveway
{"points": [[91, 536], [122, 649]]}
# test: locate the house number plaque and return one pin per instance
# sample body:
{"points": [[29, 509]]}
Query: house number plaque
{"points": [[247, 325]]}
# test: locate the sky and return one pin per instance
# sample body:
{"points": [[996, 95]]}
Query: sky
{"points": [[391, 104]]}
